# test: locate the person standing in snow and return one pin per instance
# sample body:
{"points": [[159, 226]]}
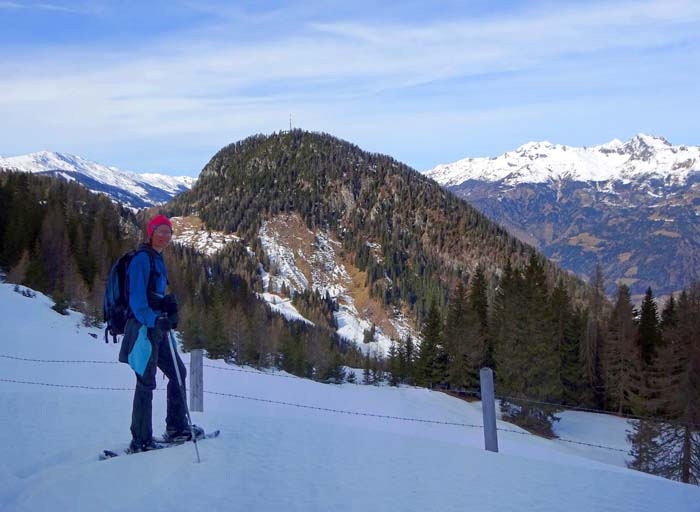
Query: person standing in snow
{"points": [[152, 315]]}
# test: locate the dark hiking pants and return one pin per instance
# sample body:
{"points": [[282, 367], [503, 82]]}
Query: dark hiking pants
{"points": [[141, 416]]}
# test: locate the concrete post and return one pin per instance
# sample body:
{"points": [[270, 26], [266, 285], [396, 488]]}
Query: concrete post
{"points": [[196, 380], [488, 406]]}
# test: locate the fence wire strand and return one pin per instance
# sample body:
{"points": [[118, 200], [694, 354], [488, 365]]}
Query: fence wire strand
{"points": [[316, 408], [472, 392]]}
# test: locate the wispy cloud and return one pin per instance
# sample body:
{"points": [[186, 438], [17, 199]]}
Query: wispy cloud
{"points": [[36, 6]]}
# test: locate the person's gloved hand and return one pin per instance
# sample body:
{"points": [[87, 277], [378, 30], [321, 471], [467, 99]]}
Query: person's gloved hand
{"points": [[163, 323], [170, 305], [173, 318]]}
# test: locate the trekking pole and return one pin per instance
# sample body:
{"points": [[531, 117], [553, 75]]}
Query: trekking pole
{"points": [[181, 385]]}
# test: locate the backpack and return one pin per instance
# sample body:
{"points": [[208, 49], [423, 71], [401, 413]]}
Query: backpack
{"points": [[116, 301]]}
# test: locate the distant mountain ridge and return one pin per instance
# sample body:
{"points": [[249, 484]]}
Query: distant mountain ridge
{"points": [[642, 156], [132, 189], [633, 206]]}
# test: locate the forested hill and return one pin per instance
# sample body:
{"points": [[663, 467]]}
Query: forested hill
{"points": [[415, 240]]}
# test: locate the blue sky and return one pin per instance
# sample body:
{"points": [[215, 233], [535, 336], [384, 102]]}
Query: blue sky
{"points": [[161, 86]]}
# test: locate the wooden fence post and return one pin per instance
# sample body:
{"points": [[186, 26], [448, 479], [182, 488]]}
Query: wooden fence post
{"points": [[488, 406], [196, 381]]}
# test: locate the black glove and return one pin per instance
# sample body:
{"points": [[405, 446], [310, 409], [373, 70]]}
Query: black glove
{"points": [[163, 323], [173, 318], [169, 305]]}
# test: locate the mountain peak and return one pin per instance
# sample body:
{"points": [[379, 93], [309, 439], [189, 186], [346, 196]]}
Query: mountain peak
{"points": [[644, 147], [540, 162], [533, 145], [132, 189]]}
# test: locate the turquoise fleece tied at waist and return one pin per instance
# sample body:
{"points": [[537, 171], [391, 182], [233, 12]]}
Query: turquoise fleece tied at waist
{"points": [[141, 352]]}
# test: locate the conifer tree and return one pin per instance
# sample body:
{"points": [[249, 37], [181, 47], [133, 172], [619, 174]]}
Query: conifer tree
{"points": [[367, 370], [672, 448], [567, 331], [429, 366], [508, 315], [649, 334], [526, 350], [591, 346], [669, 315], [478, 301], [621, 359], [218, 343], [18, 272], [408, 352], [393, 360], [463, 342]]}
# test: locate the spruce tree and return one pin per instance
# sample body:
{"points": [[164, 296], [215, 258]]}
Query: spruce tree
{"points": [[621, 358], [478, 301], [393, 360], [367, 370], [669, 315], [526, 351], [408, 360], [567, 331], [592, 342], [672, 448], [463, 342], [429, 366], [649, 334]]}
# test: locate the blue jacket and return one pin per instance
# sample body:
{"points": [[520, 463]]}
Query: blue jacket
{"points": [[138, 275], [136, 346]]}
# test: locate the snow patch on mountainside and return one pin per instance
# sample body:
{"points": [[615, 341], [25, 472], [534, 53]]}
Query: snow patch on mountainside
{"points": [[301, 259], [101, 178], [284, 307], [191, 232], [541, 162]]}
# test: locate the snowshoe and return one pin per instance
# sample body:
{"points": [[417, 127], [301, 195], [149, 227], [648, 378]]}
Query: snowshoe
{"points": [[182, 436]]}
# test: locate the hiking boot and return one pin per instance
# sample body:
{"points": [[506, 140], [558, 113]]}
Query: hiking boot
{"points": [[182, 435], [136, 446]]}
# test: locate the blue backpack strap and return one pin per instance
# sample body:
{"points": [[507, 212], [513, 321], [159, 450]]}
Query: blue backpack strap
{"points": [[152, 274], [151, 287]]}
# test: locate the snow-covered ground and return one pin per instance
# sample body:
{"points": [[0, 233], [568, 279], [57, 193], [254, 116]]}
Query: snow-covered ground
{"points": [[273, 455]]}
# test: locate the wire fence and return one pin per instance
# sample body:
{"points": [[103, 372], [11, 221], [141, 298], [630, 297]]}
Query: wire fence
{"points": [[586, 409], [471, 392], [318, 408]]}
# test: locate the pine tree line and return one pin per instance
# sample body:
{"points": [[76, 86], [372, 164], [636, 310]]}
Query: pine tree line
{"points": [[58, 238], [539, 341]]}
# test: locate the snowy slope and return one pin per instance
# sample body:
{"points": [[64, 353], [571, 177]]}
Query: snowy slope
{"points": [[135, 190], [192, 232], [304, 259], [540, 162], [273, 456]]}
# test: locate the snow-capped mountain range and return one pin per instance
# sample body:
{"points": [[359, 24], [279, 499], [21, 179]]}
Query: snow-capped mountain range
{"points": [[540, 162], [130, 188], [631, 206]]}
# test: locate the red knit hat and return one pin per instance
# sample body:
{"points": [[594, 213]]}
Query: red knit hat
{"points": [[158, 220]]}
